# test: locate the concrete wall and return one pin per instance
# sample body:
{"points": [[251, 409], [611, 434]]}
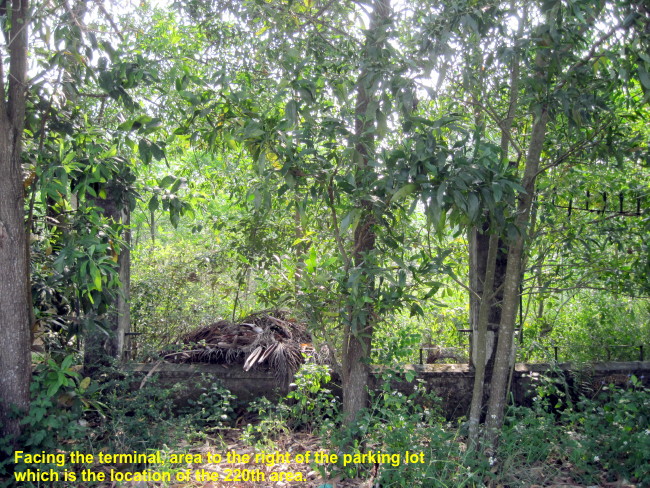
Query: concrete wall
{"points": [[451, 382], [245, 385]]}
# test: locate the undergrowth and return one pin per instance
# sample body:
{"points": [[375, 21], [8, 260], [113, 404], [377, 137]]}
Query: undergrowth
{"points": [[595, 439]]}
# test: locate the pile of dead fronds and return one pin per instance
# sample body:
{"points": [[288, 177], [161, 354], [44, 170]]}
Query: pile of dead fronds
{"points": [[269, 339]]}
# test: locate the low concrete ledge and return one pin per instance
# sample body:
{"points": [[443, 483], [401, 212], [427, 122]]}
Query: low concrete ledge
{"points": [[598, 367], [451, 382], [245, 385]]}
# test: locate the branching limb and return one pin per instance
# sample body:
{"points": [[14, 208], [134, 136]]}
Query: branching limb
{"points": [[335, 225]]}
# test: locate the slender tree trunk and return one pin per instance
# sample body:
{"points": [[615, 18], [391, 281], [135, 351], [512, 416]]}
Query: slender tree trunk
{"points": [[15, 298], [357, 337], [479, 241], [98, 347], [496, 404], [486, 330], [124, 297], [481, 349]]}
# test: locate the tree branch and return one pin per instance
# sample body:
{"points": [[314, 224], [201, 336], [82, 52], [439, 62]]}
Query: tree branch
{"points": [[102, 9], [335, 225]]}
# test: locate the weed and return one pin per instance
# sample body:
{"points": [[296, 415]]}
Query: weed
{"points": [[271, 422], [213, 409], [310, 402]]}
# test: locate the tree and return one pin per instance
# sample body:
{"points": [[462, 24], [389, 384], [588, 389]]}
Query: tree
{"points": [[543, 94], [358, 329], [558, 69], [15, 294]]}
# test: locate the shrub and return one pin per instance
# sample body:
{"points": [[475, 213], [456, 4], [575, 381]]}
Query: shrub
{"points": [[60, 398]]}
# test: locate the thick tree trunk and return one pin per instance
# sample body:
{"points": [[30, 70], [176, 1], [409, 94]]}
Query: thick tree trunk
{"points": [[356, 351], [15, 296], [15, 361]]}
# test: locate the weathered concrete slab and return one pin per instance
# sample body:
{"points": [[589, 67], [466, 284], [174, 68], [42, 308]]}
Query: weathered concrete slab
{"points": [[245, 385]]}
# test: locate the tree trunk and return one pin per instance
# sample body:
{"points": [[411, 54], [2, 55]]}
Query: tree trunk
{"points": [[357, 337], [99, 347], [486, 306], [496, 404], [485, 324], [15, 296], [123, 325], [479, 243]]}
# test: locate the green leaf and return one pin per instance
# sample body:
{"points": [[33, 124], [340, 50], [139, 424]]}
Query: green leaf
{"points": [[291, 112], [152, 126], [96, 275], [67, 362], [109, 153], [404, 191], [497, 191], [54, 387], [644, 77], [126, 126], [153, 203], [174, 216], [440, 194], [167, 181], [193, 98], [144, 148], [157, 152], [416, 309], [473, 206], [348, 219]]}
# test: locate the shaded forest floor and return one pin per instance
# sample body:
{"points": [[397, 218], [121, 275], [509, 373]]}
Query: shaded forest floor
{"points": [[548, 474], [600, 441]]}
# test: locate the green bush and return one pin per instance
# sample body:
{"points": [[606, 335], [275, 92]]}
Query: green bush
{"points": [[310, 401], [139, 416], [613, 433], [395, 423], [213, 409], [60, 400], [270, 422], [607, 436]]}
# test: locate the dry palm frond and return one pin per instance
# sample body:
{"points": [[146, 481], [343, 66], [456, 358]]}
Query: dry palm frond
{"points": [[268, 338], [285, 359], [252, 358]]}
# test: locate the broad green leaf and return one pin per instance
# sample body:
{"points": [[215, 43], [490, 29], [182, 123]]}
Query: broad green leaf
{"points": [[153, 204], [96, 275], [404, 191], [144, 148], [291, 112]]}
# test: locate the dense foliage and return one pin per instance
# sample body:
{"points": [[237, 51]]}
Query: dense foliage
{"points": [[465, 177]]}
